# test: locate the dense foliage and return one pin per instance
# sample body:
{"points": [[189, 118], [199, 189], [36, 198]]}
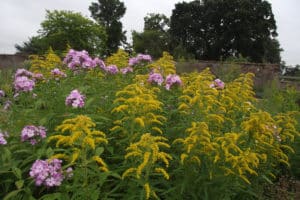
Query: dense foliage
{"points": [[155, 38], [94, 130], [219, 29], [63, 28]]}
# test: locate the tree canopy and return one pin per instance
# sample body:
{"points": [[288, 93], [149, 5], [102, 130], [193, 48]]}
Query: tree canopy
{"points": [[62, 28], [155, 38], [108, 14], [218, 29]]}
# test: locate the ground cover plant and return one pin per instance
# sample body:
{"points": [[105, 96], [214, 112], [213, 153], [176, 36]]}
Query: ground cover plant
{"points": [[84, 128]]}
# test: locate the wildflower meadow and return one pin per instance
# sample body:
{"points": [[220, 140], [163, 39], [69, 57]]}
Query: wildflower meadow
{"points": [[132, 128]]}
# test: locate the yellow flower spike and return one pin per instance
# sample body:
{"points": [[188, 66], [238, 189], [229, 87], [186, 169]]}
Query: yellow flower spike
{"points": [[128, 172], [163, 172], [133, 154], [143, 164], [140, 121], [60, 156], [157, 130], [78, 134], [100, 162], [147, 190], [89, 141]]}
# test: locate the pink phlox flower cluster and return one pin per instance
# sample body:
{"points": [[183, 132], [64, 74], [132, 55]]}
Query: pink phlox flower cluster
{"points": [[75, 99], [76, 60], [172, 79], [139, 58], [38, 77], [2, 138], [23, 84], [23, 72], [126, 70], [57, 73], [112, 69], [48, 173], [33, 134], [218, 84], [2, 93], [155, 78], [100, 63], [23, 81]]}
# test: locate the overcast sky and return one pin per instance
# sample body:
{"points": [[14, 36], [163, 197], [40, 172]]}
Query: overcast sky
{"points": [[20, 19]]}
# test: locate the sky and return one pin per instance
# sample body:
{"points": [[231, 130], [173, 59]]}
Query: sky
{"points": [[20, 19]]}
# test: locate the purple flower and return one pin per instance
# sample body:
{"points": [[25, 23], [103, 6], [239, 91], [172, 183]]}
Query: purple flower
{"points": [[7, 105], [100, 63], [57, 73], [133, 61], [139, 58], [69, 172], [2, 138], [126, 70], [172, 79], [2, 93], [33, 134], [47, 173], [76, 60], [38, 76], [112, 69], [23, 72], [218, 84], [144, 57], [23, 83], [75, 99], [156, 78]]}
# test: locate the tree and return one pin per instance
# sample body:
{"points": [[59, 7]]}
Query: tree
{"points": [[218, 29], [154, 40], [156, 22], [62, 28], [108, 14]]}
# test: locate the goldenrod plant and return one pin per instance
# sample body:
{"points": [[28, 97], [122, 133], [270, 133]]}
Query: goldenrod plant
{"points": [[147, 160], [120, 59], [138, 110], [44, 64], [165, 65], [81, 139]]}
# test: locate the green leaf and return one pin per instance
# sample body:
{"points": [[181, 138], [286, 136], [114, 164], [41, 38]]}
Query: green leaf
{"points": [[110, 149], [49, 152], [99, 151], [267, 179], [51, 196], [17, 172], [19, 184], [12, 194]]}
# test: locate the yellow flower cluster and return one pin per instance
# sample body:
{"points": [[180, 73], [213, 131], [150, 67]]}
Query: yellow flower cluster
{"points": [[228, 134], [80, 138], [44, 64], [120, 59], [165, 65], [146, 152], [137, 107]]}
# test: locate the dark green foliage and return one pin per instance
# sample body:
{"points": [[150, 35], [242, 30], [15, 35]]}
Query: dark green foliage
{"points": [[108, 14], [62, 28], [155, 39], [214, 30], [150, 42]]}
